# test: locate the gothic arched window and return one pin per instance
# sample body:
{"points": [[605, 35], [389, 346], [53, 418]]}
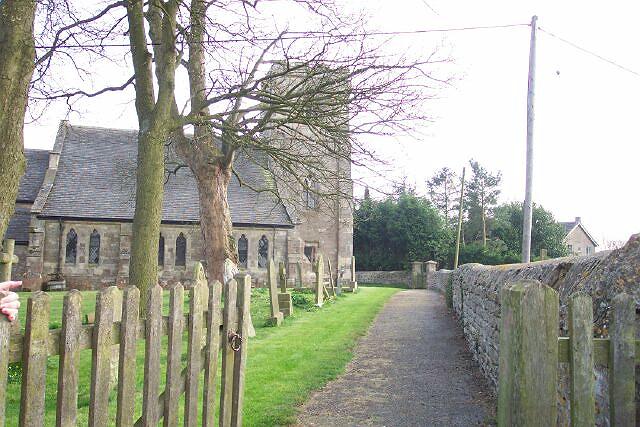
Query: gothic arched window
{"points": [[72, 247], [161, 250], [263, 252], [181, 250], [309, 193], [243, 251], [94, 247]]}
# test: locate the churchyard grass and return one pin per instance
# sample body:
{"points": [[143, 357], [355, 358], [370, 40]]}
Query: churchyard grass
{"points": [[284, 365]]}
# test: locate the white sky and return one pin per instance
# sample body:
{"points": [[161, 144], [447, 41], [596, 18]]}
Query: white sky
{"points": [[586, 151]]}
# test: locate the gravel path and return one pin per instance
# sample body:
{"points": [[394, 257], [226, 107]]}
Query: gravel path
{"points": [[411, 369]]}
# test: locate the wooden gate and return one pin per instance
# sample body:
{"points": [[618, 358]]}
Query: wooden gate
{"points": [[530, 351], [210, 328]]}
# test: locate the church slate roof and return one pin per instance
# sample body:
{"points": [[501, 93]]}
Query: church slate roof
{"points": [[96, 179], [37, 162], [18, 229]]}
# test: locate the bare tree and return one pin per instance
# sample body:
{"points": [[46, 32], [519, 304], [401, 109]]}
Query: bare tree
{"points": [[17, 54], [296, 103]]}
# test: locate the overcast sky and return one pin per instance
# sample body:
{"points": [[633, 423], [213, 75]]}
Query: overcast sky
{"points": [[586, 138]]}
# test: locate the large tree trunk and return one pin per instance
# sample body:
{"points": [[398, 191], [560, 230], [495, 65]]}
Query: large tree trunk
{"points": [[143, 266], [215, 218], [17, 55]]}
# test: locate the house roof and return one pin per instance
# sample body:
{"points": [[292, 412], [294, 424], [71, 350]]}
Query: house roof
{"points": [[571, 225], [37, 162], [18, 228], [96, 179]]}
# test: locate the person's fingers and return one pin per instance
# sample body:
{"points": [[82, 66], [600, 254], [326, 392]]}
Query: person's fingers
{"points": [[13, 305], [11, 313], [9, 297], [11, 284]]}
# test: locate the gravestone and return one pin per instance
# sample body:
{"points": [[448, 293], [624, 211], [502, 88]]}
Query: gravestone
{"points": [[319, 282], [284, 297], [276, 314], [7, 259], [299, 283], [353, 284], [230, 271]]}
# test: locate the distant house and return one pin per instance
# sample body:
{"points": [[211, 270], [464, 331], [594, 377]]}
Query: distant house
{"points": [[578, 239]]}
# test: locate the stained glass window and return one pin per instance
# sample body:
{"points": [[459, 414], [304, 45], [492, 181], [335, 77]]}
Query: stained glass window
{"points": [[94, 247], [263, 252], [243, 250], [181, 250], [72, 247], [161, 250]]}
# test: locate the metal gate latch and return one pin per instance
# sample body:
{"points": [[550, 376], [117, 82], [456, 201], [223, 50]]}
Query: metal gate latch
{"points": [[235, 339]]}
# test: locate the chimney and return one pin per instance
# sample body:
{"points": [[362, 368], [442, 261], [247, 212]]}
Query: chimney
{"points": [[578, 220]]}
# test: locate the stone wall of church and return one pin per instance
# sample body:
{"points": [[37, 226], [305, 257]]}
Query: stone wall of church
{"points": [[115, 246]]}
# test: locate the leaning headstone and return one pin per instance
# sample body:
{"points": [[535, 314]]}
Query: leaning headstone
{"points": [[230, 271], [276, 314], [284, 298], [299, 283], [319, 282]]}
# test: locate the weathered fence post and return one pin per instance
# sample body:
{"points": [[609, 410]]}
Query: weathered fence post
{"points": [[284, 298], [174, 356], [581, 360], [240, 361], [101, 357], [211, 355], [622, 384], [34, 361], [197, 298], [153, 340], [128, 347], [276, 314], [68, 368], [229, 324], [319, 281], [5, 333], [528, 361], [7, 259]]}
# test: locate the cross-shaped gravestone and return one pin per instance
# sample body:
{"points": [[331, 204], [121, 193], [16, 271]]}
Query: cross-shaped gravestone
{"points": [[7, 259]]}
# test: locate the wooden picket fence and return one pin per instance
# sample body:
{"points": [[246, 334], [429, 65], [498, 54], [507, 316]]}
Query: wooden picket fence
{"points": [[530, 351], [203, 325]]}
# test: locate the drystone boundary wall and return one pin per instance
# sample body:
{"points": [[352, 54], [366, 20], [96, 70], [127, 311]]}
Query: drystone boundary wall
{"points": [[384, 277], [476, 301], [438, 280]]}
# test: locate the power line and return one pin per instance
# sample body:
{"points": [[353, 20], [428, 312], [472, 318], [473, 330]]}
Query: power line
{"points": [[588, 52], [295, 35]]}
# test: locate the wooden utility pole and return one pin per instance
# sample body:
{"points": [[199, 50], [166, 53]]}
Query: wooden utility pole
{"points": [[527, 216], [455, 261]]}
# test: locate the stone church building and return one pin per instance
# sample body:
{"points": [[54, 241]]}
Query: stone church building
{"points": [[75, 208]]}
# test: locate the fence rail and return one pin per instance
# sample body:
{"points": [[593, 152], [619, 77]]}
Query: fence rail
{"points": [[530, 351], [109, 338]]}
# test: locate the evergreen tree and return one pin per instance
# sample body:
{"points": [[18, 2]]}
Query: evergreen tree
{"points": [[481, 196], [443, 188]]}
